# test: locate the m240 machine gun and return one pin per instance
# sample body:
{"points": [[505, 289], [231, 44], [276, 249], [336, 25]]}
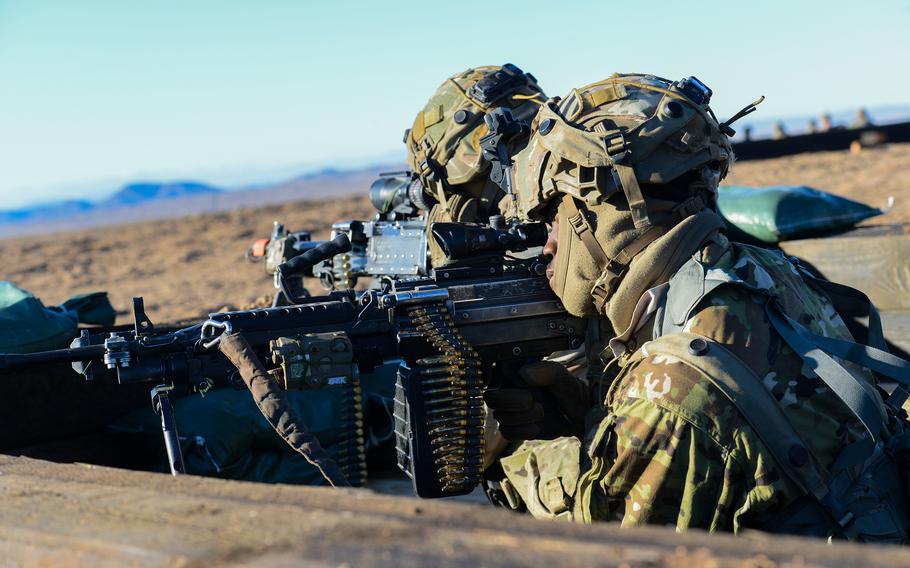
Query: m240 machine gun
{"points": [[391, 246], [467, 328]]}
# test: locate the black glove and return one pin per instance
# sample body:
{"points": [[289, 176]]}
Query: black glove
{"points": [[554, 404]]}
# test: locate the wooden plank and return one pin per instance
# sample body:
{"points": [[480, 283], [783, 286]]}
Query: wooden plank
{"points": [[836, 139], [875, 260], [77, 515]]}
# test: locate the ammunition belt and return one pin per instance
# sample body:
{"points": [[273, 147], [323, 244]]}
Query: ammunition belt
{"points": [[440, 406], [349, 452]]}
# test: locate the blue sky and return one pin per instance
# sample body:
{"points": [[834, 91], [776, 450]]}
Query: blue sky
{"points": [[96, 93]]}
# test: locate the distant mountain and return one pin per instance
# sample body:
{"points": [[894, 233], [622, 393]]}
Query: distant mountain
{"points": [[144, 201], [46, 212], [136, 193], [129, 196]]}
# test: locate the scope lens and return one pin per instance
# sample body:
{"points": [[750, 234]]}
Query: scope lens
{"points": [[387, 192]]}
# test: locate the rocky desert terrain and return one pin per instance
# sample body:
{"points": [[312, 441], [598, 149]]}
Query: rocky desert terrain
{"points": [[188, 266]]}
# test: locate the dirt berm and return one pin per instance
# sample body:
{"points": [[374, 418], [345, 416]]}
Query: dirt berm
{"points": [[78, 515]]}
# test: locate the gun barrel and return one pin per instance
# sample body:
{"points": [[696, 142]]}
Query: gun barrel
{"points": [[71, 355]]}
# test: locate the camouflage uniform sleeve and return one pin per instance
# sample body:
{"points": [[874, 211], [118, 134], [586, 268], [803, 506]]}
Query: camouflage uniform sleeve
{"points": [[671, 449], [660, 456], [657, 456], [674, 450]]}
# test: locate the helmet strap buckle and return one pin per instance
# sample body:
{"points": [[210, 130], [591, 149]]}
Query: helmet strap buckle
{"points": [[617, 148]]}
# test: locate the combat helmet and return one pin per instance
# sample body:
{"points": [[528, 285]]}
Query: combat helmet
{"points": [[444, 142], [625, 159]]}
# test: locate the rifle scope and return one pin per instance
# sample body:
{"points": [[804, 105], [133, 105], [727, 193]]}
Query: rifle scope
{"points": [[464, 240], [389, 191]]}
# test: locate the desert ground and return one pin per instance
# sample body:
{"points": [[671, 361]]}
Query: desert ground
{"points": [[188, 266]]}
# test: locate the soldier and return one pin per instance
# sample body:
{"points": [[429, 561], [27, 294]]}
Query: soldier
{"points": [[721, 408], [861, 119], [444, 143], [779, 131], [812, 127]]}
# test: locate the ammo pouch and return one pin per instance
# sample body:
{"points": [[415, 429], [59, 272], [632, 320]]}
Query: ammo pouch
{"points": [[542, 476], [863, 496]]}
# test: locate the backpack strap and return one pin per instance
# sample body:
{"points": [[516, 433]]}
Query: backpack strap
{"points": [[853, 304], [850, 303], [744, 388], [816, 351], [859, 396]]}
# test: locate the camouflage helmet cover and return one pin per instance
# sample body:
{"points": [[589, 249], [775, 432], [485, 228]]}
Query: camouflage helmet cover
{"points": [[444, 141], [612, 135]]}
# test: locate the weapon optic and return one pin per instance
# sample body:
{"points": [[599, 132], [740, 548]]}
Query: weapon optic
{"points": [[465, 240]]}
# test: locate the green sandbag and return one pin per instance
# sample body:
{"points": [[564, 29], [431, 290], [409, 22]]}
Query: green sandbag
{"points": [[92, 308], [27, 325], [779, 213]]}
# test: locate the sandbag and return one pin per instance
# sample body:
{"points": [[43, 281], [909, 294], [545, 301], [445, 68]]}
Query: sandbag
{"points": [[779, 213], [93, 308], [27, 325]]}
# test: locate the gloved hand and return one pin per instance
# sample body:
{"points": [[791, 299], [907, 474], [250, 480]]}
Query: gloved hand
{"points": [[553, 405]]}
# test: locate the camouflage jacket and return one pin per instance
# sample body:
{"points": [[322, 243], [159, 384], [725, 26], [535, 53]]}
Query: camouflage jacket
{"points": [[667, 447]]}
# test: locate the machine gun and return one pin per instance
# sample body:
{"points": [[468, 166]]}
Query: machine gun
{"points": [[468, 327], [391, 246]]}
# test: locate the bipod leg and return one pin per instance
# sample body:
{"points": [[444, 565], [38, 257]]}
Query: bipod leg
{"points": [[161, 401]]}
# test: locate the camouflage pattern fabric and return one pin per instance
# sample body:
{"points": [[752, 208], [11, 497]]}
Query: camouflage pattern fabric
{"points": [[668, 448], [443, 144], [544, 473]]}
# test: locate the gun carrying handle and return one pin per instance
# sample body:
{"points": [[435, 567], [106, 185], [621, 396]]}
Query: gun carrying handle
{"points": [[306, 261], [273, 404], [315, 255]]}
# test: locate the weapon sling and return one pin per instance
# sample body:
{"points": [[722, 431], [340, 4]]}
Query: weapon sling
{"points": [[271, 401]]}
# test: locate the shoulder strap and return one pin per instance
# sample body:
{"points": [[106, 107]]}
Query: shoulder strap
{"points": [[854, 392], [850, 303], [739, 383], [870, 349], [815, 349]]}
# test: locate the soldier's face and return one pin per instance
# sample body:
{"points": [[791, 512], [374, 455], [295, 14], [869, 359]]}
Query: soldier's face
{"points": [[571, 271], [550, 248]]}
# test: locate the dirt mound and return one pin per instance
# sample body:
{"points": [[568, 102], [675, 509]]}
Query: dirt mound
{"points": [[191, 266]]}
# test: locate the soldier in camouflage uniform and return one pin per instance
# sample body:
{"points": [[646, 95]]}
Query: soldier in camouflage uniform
{"points": [[444, 143], [722, 407]]}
